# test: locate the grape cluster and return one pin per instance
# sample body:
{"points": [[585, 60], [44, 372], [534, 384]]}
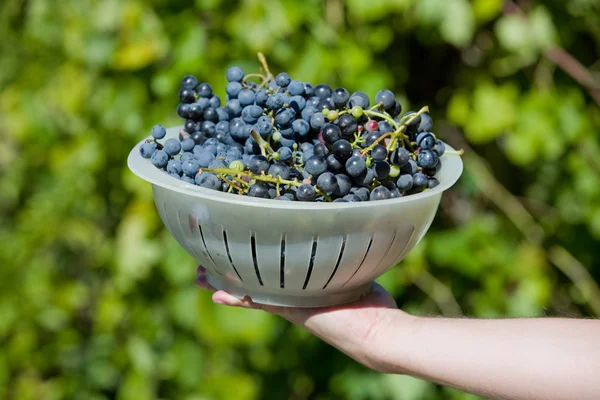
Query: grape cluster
{"points": [[287, 140]]}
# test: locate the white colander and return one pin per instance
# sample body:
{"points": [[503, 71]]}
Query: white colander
{"points": [[292, 253]]}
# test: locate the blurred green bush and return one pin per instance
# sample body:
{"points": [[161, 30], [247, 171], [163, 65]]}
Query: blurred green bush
{"points": [[97, 301]]}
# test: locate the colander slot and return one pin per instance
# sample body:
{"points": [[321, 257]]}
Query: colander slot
{"points": [[361, 261], [206, 247], [229, 255], [282, 264], [254, 260], [311, 262], [337, 264]]}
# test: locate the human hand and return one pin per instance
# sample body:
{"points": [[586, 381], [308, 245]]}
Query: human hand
{"points": [[352, 328]]}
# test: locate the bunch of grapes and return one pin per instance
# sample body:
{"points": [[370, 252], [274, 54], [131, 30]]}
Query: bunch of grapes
{"points": [[284, 139]]}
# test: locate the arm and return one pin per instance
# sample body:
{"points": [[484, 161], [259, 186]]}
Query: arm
{"points": [[525, 359], [508, 359]]}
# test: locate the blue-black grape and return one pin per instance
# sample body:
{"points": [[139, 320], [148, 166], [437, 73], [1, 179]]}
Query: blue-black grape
{"points": [[340, 97], [208, 181], [331, 133], [405, 182], [327, 182], [208, 128], [187, 95], [379, 153], [246, 97], [204, 90], [425, 124], [147, 149], [317, 121], [359, 99], [427, 159], [306, 192], [296, 88], [279, 169], [315, 165], [175, 167], [342, 150], [282, 79], [386, 98], [189, 82], [400, 157], [158, 131], [300, 128], [432, 182], [439, 148], [344, 185], [160, 158], [355, 166], [380, 193], [419, 181], [233, 89], [381, 169], [347, 124], [205, 158], [259, 164], [362, 193], [172, 146], [234, 74], [333, 164], [320, 149], [322, 91]]}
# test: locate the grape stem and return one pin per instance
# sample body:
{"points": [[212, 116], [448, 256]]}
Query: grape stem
{"points": [[399, 132], [264, 145], [269, 76], [235, 173], [263, 78], [455, 152]]}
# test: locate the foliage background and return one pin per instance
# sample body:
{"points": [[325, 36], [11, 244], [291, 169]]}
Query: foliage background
{"points": [[98, 302]]}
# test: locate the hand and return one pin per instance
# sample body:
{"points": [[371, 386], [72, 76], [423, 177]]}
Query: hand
{"points": [[352, 328]]}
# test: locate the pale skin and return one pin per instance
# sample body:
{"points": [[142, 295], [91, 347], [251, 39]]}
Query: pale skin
{"points": [[523, 358]]}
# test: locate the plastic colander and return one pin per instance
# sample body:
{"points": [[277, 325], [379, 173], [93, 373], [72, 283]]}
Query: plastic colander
{"points": [[292, 253]]}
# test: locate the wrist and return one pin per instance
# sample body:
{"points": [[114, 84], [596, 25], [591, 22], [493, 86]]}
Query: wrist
{"points": [[391, 346]]}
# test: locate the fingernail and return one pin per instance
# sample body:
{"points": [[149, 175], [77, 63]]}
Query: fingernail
{"points": [[217, 301]]}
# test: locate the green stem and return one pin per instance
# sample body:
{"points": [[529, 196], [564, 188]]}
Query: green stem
{"points": [[263, 178]]}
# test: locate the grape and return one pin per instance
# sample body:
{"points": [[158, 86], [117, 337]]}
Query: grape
{"points": [[190, 126], [234, 108], [410, 167], [419, 180], [371, 126], [187, 179], [380, 193], [308, 89], [261, 97], [347, 124], [172, 146], [306, 193], [356, 166], [344, 185], [308, 112], [279, 169], [425, 140], [327, 182], [182, 110], [315, 165], [425, 124], [439, 148], [198, 137], [205, 158], [233, 89], [147, 149], [317, 121], [208, 128], [215, 101], [320, 150], [322, 91], [385, 127], [301, 127], [340, 97], [432, 182], [342, 149], [405, 182], [276, 101], [366, 178], [284, 116], [283, 79], [218, 163], [208, 181], [357, 153], [234, 74], [331, 133], [189, 82], [158, 131], [204, 90], [159, 158], [258, 164], [286, 132], [175, 167], [427, 159], [195, 111], [297, 103], [333, 164], [313, 102], [371, 137], [246, 97], [187, 95], [285, 154], [250, 114], [395, 110], [210, 114], [381, 169], [400, 157], [359, 99], [379, 152], [385, 97], [296, 88], [362, 193]]}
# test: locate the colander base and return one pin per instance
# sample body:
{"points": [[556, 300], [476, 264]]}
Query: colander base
{"points": [[287, 300]]}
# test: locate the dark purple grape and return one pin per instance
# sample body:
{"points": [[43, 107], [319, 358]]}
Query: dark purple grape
{"points": [[331, 133], [333, 164], [362, 193], [315, 165], [342, 150], [439, 148], [204, 90], [258, 164], [419, 181], [395, 110], [355, 166], [400, 157], [320, 149], [327, 182], [427, 159], [183, 110], [187, 95], [210, 114], [347, 124], [259, 189], [340, 97], [405, 182], [380, 193], [386, 98], [283, 79], [344, 185], [425, 124], [306, 193], [189, 82], [432, 182], [379, 153], [322, 91], [381, 169], [279, 169]]}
